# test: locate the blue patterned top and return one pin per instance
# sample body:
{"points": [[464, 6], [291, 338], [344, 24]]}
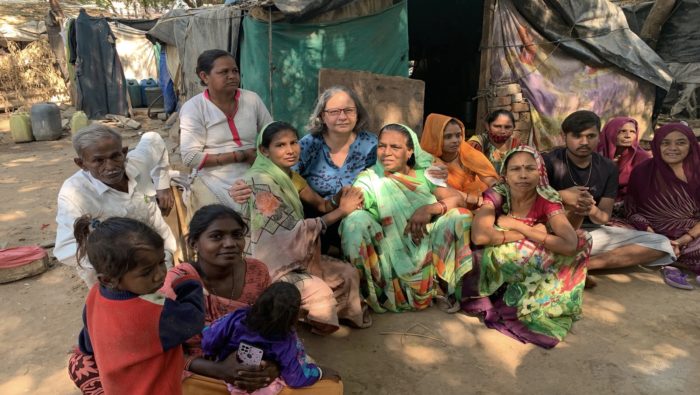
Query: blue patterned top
{"points": [[324, 177]]}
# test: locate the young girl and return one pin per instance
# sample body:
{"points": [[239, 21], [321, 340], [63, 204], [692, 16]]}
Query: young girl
{"points": [[270, 325], [134, 334]]}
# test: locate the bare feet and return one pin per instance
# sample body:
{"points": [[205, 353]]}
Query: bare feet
{"points": [[590, 282]]}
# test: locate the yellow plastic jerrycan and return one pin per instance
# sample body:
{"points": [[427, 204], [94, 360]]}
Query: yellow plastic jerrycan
{"points": [[21, 127], [78, 121]]}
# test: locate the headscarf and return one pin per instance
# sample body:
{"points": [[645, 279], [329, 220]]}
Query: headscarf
{"points": [[654, 177], [279, 235], [423, 159], [543, 187], [471, 158], [658, 198], [265, 167], [631, 156]]}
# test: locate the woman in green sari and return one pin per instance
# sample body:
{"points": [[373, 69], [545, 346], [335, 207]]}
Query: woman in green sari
{"points": [[528, 279], [288, 244], [411, 241]]}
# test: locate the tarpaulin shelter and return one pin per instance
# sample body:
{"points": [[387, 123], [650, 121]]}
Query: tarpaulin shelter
{"points": [[26, 32], [136, 52], [281, 62], [303, 37], [103, 53], [563, 55], [678, 43], [187, 33], [99, 76], [571, 55]]}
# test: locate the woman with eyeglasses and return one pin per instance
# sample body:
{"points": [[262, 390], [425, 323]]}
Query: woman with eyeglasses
{"points": [[498, 138], [338, 145], [337, 148]]}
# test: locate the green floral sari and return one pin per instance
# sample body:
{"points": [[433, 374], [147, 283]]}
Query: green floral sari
{"points": [[397, 274], [535, 294]]}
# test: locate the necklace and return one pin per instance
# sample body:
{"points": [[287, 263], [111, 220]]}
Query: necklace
{"points": [[220, 294], [571, 177]]}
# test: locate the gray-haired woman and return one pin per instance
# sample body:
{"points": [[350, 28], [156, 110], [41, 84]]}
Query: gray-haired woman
{"points": [[338, 145], [337, 148]]}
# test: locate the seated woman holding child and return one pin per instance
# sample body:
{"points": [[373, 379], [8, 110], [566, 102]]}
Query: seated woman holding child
{"points": [[466, 169], [230, 282], [411, 241], [528, 280], [664, 197]]}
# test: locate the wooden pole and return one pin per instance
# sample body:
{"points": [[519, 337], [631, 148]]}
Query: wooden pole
{"points": [[182, 223], [658, 15], [485, 65]]}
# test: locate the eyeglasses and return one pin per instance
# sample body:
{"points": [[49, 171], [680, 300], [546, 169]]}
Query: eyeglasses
{"points": [[349, 111]]}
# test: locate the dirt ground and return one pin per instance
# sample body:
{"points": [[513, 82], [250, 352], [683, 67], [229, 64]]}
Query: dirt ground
{"points": [[637, 336]]}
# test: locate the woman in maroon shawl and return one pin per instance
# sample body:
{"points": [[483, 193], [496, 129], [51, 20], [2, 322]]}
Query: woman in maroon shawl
{"points": [[664, 197], [619, 141]]}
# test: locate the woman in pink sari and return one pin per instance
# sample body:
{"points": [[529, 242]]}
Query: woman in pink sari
{"points": [[664, 197]]}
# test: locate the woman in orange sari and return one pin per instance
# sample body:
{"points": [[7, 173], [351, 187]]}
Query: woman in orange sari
{"points": [[465, 168]]}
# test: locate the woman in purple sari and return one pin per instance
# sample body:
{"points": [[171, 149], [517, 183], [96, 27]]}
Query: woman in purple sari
{"points": [[664, 197]]}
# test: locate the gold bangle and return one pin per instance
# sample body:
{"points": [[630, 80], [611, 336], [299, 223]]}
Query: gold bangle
{"points": [[443, 207]]}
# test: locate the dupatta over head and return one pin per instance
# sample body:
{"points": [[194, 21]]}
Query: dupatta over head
{"points": [[475, 162], [276, 218], [658, 198], [400, 273], [392, 198], [655, 177], [543, 187], [630, 157]]}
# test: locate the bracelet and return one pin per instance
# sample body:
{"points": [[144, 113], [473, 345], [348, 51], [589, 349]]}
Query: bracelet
{"points": [[504, 237], [188, 362], [443, 207], [333, 202]]}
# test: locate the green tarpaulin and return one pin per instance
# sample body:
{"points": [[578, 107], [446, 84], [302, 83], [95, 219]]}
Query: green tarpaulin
{"points": [[376, 43]]}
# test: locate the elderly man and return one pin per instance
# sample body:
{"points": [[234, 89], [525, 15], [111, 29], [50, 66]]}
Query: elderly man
{"points": [[112, 182]]}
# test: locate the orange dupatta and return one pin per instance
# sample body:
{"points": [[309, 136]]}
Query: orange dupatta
{"points": [[474, 165]]}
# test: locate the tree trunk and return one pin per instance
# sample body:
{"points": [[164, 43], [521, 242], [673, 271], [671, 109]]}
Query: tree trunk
{"points": [[56, 8], [658, 15], [54, 22]]}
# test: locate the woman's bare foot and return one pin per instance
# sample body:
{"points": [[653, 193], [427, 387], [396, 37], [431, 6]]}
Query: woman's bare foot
{"points": [[590, 282]]}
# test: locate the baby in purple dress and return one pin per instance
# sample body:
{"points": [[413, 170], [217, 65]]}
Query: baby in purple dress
{"points": [[270, 325]]}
